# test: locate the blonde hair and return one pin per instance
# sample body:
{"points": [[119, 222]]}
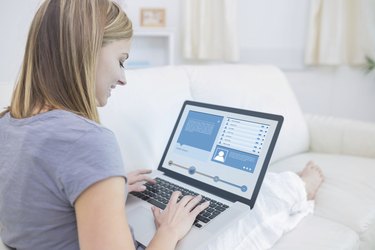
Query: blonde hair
{"points": [[61, 54]]}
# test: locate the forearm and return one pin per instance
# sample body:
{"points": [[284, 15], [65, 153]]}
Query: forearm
{"points": [[163, 240]]}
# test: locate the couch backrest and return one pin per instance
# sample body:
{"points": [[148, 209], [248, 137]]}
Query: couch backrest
{"points": [[142, 114]]}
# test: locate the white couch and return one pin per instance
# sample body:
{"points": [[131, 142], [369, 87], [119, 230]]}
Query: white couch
{"points": [[143, 113]]}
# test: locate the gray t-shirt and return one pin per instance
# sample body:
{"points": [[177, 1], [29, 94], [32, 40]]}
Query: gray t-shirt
{"points": [[46, 162]]}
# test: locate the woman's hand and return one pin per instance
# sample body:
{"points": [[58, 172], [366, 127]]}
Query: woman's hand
{"points": [[136, 179], [178, 217]]}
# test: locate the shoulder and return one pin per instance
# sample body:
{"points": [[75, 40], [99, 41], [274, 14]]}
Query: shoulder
{"points": [[61, 134], [91, 154], [86, 137], [67, 120], [70, 128]]}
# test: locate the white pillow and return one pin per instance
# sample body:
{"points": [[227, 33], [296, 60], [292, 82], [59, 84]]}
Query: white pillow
{"points": [[254, 87]]}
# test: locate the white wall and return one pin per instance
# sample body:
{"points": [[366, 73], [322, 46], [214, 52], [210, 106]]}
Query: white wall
{"points": [[273, 31], [155, 49], [15, 20], [270, 31]]}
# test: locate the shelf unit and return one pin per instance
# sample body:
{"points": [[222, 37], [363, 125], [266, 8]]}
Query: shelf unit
{"points": [[151, 47]]}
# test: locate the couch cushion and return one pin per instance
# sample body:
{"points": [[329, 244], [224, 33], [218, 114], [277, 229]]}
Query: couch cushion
{"points": [[259, 88], [318, 233], [347, 195], [150, 103], [142, 113]]}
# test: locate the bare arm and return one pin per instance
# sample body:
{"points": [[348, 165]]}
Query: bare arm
{"points": [[102, 222], [101, 217]]}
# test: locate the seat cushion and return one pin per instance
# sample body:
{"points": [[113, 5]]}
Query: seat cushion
{"points": [[347, 196], [315, 232]]}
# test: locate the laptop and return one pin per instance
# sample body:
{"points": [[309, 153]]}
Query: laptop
{"points": [[219, 152]]}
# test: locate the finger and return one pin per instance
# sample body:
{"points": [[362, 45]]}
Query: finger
{"points": [[155, 211], [200, 208], [193, 202], [152, 181], [138, 172], [137, 188], [185, 200], [142, 171], [130, 188], [140, 178], [174, 198]]}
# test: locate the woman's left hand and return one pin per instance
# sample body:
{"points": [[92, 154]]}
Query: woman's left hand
{"points": [[136, 179]]}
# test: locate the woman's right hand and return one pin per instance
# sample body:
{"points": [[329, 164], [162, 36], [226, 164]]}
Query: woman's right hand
{"points": [[178, 217]]}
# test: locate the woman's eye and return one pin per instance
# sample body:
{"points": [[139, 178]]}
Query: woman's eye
{"points": [[122, 64]]}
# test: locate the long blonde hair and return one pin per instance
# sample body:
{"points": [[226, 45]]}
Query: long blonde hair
{"points": [[58, 69]]}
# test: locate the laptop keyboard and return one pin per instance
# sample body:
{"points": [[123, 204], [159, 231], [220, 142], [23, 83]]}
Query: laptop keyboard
{"points": [[159, 194]]}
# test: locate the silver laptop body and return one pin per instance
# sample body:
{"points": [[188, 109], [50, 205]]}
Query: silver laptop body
{"points": [[219, 152]]}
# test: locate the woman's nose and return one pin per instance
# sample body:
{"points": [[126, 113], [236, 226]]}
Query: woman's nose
{"points": [[122, 80]]}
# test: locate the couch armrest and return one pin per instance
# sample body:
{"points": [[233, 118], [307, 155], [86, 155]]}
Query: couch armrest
{"points": [[341, 136]]}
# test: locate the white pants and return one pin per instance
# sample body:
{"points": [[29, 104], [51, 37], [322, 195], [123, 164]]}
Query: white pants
{"points": [[280, 206]]}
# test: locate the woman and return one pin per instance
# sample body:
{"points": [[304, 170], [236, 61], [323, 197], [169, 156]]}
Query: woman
{"points": [[62, 181], [63, 184]]}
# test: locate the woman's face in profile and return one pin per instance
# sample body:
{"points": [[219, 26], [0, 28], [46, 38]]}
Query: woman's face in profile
{"points": [[110, 70]]}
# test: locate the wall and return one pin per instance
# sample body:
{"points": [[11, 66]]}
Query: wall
{"points": [[274, 31], [270, 31], [154, 49], [15, 20]]}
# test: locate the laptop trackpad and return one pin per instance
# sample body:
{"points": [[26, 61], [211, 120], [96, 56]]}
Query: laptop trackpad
{"points": [[141, 220]]}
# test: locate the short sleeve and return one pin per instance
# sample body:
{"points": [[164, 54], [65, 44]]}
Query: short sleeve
{"points": [[95, 156]]}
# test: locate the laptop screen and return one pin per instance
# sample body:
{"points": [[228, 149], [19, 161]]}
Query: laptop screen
{"points": [[221, 150]]}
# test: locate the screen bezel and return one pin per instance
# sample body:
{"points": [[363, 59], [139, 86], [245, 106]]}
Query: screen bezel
{"points": [[214, 190]]}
